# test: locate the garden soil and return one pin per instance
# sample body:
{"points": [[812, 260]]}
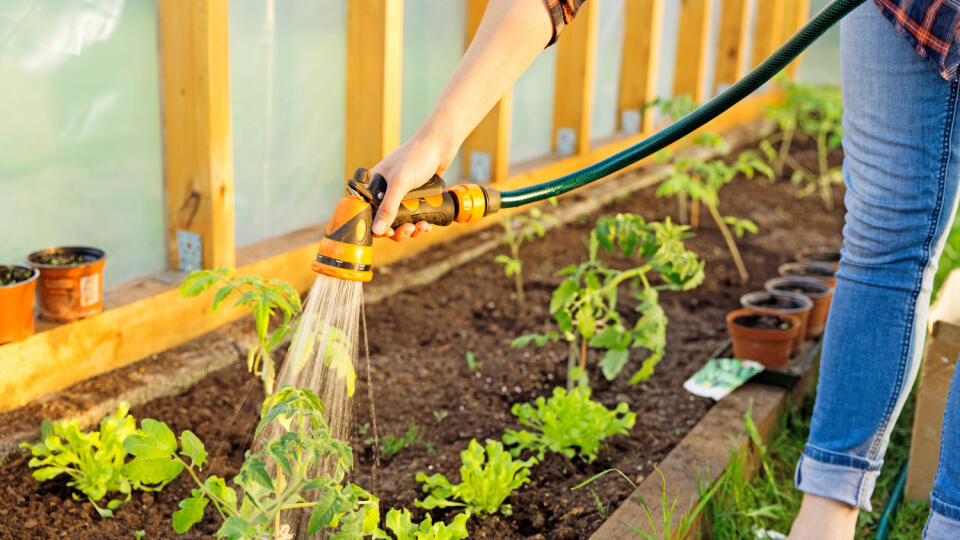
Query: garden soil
{"points": [[418, 342]]}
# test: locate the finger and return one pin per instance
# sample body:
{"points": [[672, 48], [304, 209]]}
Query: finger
{"points": [[403, 232], [387, 234], [422, 228], [389, 205]]}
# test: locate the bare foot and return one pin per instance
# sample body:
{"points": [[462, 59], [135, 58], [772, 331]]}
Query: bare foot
{"points": [[823, 519]]}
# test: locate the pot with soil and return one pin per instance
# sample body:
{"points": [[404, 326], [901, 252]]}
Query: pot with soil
{"points": [[816, 270], [17, 286], [763, 336], [71, 282], [782, 303], [817, 291], [823, 255]]}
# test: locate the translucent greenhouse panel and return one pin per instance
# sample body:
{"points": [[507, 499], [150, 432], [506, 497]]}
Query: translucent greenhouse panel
{"points": [[80, 150], [668, 55], [288, 93], [434, 35], [607, 81], [532, 119], [821, 62]]}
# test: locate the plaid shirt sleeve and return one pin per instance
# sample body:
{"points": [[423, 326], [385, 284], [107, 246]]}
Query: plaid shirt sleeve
{"points": [[930, 26], [562, 13]]}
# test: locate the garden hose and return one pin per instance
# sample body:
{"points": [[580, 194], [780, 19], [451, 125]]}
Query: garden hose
{"points": [[346, 250]]}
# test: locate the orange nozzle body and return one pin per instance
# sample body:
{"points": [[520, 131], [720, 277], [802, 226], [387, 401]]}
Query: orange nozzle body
{"points": [[346, 248]]}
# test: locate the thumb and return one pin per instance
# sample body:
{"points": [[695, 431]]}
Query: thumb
{"points": [[389, 205]]}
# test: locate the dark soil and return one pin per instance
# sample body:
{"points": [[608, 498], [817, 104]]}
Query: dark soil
{"points": [[814, 270], [777, 301], [763, 322], [419, 339], [14, 274], [830, 256], [805, 288], [66, 256]]}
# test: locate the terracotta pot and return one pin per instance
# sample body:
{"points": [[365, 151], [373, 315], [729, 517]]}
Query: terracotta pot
{"points": [[770, 347], [786, 303], [16, 307], [817, 291], [69, 292], [821, 271], [823, 255]]}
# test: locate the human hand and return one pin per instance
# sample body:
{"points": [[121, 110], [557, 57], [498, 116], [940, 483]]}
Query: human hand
{"points": [[408, 167]]}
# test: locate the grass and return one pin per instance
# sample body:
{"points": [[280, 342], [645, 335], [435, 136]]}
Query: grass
{"points": [[769, 499], [951, 255], [391, 445]]}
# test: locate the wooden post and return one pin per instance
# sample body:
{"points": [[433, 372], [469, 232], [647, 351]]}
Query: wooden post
{"points": [[732, 42], [573, 91], [486, 152], [639, 64], [767, 35], [693, 48], [374, 61], [198, 143]]}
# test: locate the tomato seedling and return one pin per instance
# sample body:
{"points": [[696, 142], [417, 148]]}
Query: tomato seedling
{"points": [[517, 230]]}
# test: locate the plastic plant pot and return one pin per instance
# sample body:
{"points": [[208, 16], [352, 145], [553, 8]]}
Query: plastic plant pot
{"points": [[817, 291], [17, 286], [765, 337], [822, 255], [782, 303], [821, 271], [71, 282]]}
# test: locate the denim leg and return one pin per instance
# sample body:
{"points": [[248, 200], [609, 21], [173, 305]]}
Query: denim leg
{"points": [[900, 168], [944, 522]]}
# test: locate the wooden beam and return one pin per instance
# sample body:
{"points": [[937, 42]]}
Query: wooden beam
{"points": [[198, 142], [639, 65], [374, 62], [732, 42], [573, 89], [486, 151], [153, 317], [801, 12], [693, 49], [767, 35]]}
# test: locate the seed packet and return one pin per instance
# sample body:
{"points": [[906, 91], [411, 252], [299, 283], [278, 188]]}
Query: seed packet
{"points": [[720, 376]]}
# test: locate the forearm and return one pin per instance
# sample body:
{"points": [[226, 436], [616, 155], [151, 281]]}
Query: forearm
{"points": [[511, 35]]}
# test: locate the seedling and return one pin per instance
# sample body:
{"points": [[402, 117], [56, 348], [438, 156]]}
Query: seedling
{"points": [[264, 298], [702, 181], [488, 477], [472, 361], [584, 305], [520, 229], [440, 416], [403, 527], [571, 424], [256, 510], [96, 461], [391, 445]]}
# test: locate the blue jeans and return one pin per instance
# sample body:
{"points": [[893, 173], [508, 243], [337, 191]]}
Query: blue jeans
{"points": [[902, 170]]}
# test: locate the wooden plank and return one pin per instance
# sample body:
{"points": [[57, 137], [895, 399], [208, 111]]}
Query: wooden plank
{"points": [[731, 43], [152, 321], [490, 141], [573, 89], [767, 29], [801, 12], [374, 62], [198, 143], [693, 49], [640, 63]]}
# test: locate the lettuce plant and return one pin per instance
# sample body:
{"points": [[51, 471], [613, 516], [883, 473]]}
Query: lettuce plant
{"points": [[569, 423], [403, 528], [488, 476], [264, 298]]}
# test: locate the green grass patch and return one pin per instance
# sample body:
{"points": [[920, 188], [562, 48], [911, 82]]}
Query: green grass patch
{"points": [[950, 259]]}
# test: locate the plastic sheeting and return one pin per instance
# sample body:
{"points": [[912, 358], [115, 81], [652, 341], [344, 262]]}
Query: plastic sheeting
{"points": [[287, 73], [80, 147], [532, 117], [607, 81]]}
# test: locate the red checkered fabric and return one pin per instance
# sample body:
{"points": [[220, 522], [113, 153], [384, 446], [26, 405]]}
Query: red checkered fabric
{"points": [[930, 26]]}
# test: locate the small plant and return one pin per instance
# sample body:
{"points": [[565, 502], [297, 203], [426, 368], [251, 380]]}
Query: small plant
{"points": [[471, 361], [571, 424], [295, 455], [403, 528], [517, 230], [391, 445], [264, 298], [584, 305], [96, 461], [440, 416], [816, 114], [702, 181], [488, 477]]}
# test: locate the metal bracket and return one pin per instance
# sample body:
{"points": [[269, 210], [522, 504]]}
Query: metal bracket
{"points": [[189, 251], [630, 121], [479, 166], [566, 141]]}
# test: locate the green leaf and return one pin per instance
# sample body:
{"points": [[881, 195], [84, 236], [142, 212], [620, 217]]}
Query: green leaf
{"points": [[155, 440], [190, 512], [161, 470], [235, 528], [563, 293], [193, 448], [613, 362], [218, 487]]}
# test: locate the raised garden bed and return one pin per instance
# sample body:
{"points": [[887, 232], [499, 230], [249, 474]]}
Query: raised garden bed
{"points": [[419, 340]]}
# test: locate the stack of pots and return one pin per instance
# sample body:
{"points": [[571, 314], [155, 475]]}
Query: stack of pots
{"points": [[67, 283], [774, 323]]}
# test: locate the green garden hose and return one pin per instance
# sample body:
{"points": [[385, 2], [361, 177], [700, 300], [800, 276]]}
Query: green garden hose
{"points": [[686, 125]]}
